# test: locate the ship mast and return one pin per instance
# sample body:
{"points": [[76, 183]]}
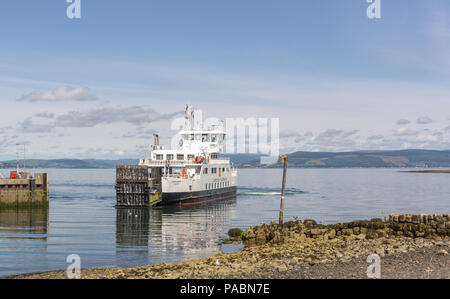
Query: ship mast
{"points": [[189, 116]]}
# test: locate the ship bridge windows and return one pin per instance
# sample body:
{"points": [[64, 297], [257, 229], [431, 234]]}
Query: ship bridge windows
{"points": [[159, 157], [217, 137], [180, 157], [190, 157], [169, 157], [206, 137]]}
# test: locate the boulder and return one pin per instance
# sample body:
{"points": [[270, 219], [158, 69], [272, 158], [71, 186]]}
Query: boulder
{"points": [[234, 232]]}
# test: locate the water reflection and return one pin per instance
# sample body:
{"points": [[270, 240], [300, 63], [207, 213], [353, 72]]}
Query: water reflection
{"points": [[24, 223], [23, 238], [132, 227], [166, 233]]}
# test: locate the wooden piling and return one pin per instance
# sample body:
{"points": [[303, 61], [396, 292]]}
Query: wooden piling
{"points": [[132, 186], [283, 187]]}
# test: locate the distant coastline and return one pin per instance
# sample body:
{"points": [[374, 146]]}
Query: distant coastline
{"points": [[428, 171], [421, 159], [68, 163]]}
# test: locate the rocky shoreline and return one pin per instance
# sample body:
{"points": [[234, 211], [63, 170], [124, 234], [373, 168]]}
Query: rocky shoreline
{"points": [[410, 246]]}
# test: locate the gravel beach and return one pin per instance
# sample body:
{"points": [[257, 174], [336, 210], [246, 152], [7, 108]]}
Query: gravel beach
{"points": [[309, 250]]}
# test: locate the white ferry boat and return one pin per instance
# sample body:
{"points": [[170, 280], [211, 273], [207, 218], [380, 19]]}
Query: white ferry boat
{"points": [[194, 173]]}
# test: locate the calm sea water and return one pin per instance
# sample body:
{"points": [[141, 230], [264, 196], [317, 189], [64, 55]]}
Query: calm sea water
{"points": [[82, 219]]}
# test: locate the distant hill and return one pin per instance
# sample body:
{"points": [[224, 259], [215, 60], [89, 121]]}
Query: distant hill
{"points": [[242, 158], [69, 163], [400, 158], [367, 159], [96, 163]]}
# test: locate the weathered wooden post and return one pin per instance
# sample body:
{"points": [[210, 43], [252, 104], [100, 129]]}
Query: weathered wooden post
{"points": [[283, 188]]}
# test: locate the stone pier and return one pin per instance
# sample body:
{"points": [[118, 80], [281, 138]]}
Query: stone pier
{"points": [[27, 191]]}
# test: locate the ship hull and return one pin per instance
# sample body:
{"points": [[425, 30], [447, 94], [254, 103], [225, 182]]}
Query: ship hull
{"points": [[198, 197]]}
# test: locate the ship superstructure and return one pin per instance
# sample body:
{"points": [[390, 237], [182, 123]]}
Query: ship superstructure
{"points": [[194, 172]]}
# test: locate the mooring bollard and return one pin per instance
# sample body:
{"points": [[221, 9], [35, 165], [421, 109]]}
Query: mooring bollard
{"points": [[283, 187]]}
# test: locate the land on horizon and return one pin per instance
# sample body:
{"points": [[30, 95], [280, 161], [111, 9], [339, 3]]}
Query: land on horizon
{"points": [[356, 159]]}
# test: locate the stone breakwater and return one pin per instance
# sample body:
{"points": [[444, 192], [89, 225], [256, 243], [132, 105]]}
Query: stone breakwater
{"points": [[435, 227], [309, 250]]}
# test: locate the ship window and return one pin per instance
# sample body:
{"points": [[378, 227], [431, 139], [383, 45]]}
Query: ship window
{"points": [[205, 138], [169, 157], [180, 157], [198, 137], [190, 157], [205, 171], [159, 157], [191, 137], [223, 169], [213, 170], [213, 138], [206, 186], [190, 188]]}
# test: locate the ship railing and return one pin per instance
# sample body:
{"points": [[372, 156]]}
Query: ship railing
{"points": [[180, 163], [171, 163], [180, 176]]}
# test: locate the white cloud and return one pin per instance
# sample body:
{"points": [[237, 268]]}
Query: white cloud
{"points": [[403, 122], [424, 120], [135, 115], [405, 132], [61, 94]]}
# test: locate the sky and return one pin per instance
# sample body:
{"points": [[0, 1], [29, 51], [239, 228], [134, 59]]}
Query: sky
{"points": [[101, 85]]}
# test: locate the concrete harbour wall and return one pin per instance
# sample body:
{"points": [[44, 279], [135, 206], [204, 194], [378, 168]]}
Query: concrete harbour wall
{"points": [[29, 191]]}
